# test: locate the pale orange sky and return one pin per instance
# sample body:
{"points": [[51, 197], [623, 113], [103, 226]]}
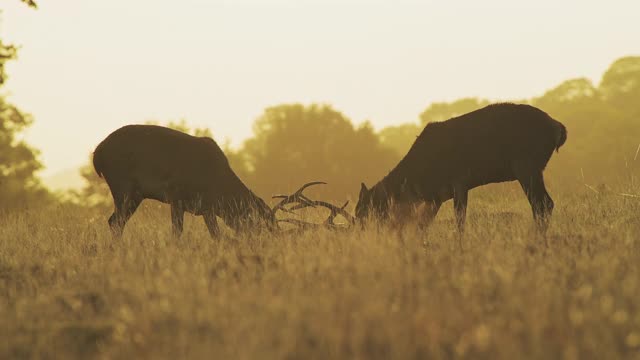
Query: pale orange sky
{"points": [[88, 67]]}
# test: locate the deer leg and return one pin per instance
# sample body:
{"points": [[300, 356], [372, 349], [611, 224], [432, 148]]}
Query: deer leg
{"points": [[541, 202], [212, 224], [177, 218], [401, 213], [125, 206], [431, 210], [460, 197]]}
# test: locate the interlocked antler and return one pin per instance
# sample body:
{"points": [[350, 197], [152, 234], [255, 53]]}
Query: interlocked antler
{"points": [[296, 197], [335, 210], [304, 202]]}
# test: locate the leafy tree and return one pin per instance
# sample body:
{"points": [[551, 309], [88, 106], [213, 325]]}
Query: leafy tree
{"points": [[602, 123], [293, 144], [181, 125], [7, 52], [580, 107], [620, 88], [441, 111], [620, 85], [399, 138], [578, 104], [31, 3], [19, 162]]}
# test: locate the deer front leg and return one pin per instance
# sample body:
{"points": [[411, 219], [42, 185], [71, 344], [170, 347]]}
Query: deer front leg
{"points": [[212, 224]]}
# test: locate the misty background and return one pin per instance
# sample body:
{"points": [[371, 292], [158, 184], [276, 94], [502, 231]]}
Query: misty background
{"points": [[305, 90]]}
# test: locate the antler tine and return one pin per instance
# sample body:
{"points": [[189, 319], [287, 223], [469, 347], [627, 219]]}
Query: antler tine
{"points": [[296, 197], [335, 211], [305, 203], [301, 206], [301, 201], [288, 199], [299, 192], [331, 218]]}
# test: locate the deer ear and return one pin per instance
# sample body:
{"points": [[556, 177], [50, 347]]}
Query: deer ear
{"points": [[363, 188]]}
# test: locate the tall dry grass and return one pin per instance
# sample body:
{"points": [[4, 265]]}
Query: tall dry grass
{"points": [[67, 290]]}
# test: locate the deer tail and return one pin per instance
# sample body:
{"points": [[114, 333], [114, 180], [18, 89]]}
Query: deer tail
{"points": [[560, 132], [98, 161]]}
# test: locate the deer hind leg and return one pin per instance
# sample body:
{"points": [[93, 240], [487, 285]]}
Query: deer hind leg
{"points": [[177, 218], [541, 202], [212, 224], [460, 198], [125, 205]]}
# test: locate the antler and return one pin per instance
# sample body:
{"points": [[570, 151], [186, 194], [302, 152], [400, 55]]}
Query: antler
{"points": [[335, 211], [296, 197], [304, 202]]}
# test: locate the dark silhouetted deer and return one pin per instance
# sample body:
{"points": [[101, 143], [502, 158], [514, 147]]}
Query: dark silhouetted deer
{"points": [[498, 143], [191, 174]]}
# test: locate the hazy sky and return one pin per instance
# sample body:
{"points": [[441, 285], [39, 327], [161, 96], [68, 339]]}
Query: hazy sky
{"points": [[87, 67]]}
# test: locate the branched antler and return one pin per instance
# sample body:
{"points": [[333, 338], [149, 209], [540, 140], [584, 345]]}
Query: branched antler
{"points": [[303, 201], [296, 197], [335, 210]]}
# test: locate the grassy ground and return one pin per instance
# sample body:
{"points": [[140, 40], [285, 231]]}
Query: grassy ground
{"points": [[68, 291]]}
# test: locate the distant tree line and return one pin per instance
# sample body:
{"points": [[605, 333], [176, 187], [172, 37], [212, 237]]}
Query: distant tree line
{"points": [[19, 162], [296, 143], [603, 122]]}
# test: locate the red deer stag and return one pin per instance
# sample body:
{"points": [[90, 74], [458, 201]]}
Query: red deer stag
{"points": [[498, 143], [191, 174]]}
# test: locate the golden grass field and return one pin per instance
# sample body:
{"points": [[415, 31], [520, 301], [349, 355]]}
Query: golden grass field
{"points": [[67, 290]]}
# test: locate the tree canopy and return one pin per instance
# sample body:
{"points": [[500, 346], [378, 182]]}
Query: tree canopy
{"points": [[620, 86], [19, 163], [294, 143], [603, 123], [399, 138], [440, 111]]}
